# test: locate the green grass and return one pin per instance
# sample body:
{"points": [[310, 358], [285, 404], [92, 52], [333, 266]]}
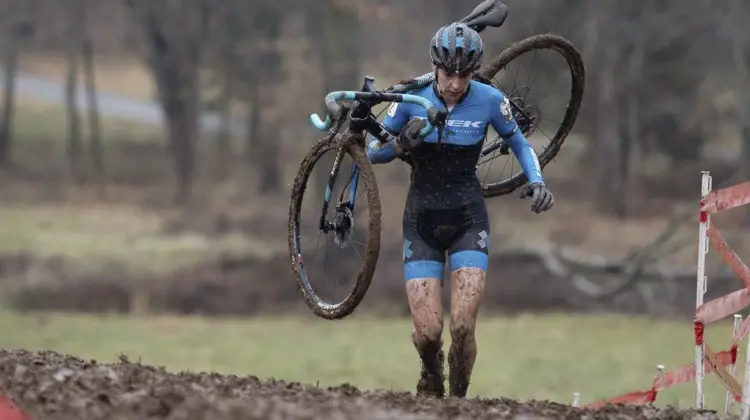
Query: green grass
{"points": [[542, 357], [97, 235], [36, 119]]}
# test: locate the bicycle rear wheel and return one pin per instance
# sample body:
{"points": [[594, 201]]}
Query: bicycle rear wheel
{"points": [[527, 113], [335, 220]]}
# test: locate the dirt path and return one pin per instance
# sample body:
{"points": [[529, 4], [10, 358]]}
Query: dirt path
{"points": [[51, 386]]}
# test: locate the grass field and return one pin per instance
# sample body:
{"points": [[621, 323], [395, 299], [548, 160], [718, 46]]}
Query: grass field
{"points": [[36, 119], [94, 236], [541, 357]]}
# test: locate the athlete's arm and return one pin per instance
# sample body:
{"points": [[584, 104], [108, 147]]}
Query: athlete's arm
{"points": [[502, 121], [396, 118]]}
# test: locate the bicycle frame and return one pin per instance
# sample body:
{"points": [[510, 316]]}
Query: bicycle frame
{"points": [[489, 13], [362, 119]]}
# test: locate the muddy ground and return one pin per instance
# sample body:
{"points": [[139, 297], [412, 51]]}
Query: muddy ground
{"points": [[51, 386]]}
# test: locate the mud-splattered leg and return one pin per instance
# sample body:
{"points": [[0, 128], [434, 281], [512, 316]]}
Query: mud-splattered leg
{"points": [[427, 314], [466, 294]]}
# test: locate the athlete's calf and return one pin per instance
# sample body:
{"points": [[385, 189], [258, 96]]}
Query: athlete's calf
{"points": [[426, 307], [466, 295]]}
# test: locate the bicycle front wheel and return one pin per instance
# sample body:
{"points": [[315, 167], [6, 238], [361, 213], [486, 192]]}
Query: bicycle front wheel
{"points": [[331, 218]]}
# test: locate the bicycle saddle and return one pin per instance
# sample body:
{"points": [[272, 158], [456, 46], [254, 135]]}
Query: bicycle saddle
{"points": [[487, 13]]}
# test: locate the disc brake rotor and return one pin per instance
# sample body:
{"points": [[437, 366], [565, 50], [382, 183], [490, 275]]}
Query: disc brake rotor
{"points": [[343, 223]]}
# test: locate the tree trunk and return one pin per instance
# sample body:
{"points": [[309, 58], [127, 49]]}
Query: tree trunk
{"points": [[96, 151], [6, 125], [337, 40], [268, 160], [74, 148], [175, 34], [608, 159], [183, 126], [224, 136], [179, 98], [253, 132]]}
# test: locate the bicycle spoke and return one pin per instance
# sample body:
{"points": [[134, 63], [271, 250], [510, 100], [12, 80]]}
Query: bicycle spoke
{"points": [[329, 273], [529, 106]]}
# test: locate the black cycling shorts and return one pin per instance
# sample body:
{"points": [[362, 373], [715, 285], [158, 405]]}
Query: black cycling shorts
{"points": [[462, 233]]}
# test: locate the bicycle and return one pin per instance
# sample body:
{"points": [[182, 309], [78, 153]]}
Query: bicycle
{"points": [[347, 123]]}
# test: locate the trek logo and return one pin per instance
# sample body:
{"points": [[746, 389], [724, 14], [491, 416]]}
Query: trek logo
{"points": [[464, 123]]}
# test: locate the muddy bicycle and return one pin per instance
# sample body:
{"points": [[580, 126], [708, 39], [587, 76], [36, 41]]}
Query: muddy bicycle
{"points": [[350, 114]]}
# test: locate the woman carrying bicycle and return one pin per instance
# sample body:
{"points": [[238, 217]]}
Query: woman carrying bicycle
{"points": [[445, 210]]}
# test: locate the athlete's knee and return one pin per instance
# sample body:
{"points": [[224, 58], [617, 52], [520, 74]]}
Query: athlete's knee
{"points": [[463, 323], [428, 330], [462, 328], [427, 311], [466, 296]]}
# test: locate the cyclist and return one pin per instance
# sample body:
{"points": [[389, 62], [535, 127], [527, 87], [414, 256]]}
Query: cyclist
{"points": [[445, 209]]}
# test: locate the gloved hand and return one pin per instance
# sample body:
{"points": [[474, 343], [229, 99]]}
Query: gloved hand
{"points": [[409, 137], [541, 198]]}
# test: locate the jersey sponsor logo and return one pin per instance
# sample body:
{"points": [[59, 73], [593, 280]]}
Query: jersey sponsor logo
{"points": [[505, 109], [392, 110], [464, 123]]}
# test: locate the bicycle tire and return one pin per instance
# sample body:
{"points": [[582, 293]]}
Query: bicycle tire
{"points": [[353, 146], [578, 77]]}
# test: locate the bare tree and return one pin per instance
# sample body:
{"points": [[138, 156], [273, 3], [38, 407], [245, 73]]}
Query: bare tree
{"points": [[606, 148], [334, 31], [74, 146], [739, 46], [253, 32], [96, 151], [17, 27], [175, 32], [222, 59]]}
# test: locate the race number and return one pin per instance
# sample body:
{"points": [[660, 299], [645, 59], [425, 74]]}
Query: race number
{"points": [[505, 110], [392, 110]]}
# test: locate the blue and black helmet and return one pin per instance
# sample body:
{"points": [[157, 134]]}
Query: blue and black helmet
{"points": [[457, 48]]}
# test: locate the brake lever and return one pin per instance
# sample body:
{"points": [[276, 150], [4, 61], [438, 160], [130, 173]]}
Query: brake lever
{"points": [[437, 118]]}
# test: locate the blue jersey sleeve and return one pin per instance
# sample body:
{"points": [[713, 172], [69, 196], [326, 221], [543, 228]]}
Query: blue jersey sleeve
{"points": [[396, 118], [503, 122]]}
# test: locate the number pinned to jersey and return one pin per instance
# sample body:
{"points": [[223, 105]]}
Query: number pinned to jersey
{"points": [[505, 109], [392, 110]]}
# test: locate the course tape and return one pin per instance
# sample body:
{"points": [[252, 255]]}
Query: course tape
{"points": [[665, 381], [684, 374], [726, 198], [729, 256], [714, 202], [723, 306], [10, 411]]}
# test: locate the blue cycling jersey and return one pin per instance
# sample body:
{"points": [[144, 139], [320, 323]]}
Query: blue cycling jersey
{"points": [[444, 176]]}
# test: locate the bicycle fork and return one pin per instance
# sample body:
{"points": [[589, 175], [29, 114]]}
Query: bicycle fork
{"points": [[353, 183]]}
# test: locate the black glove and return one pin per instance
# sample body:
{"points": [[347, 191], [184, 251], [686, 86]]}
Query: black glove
{"points": [[541, 197], [409, 137]]}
